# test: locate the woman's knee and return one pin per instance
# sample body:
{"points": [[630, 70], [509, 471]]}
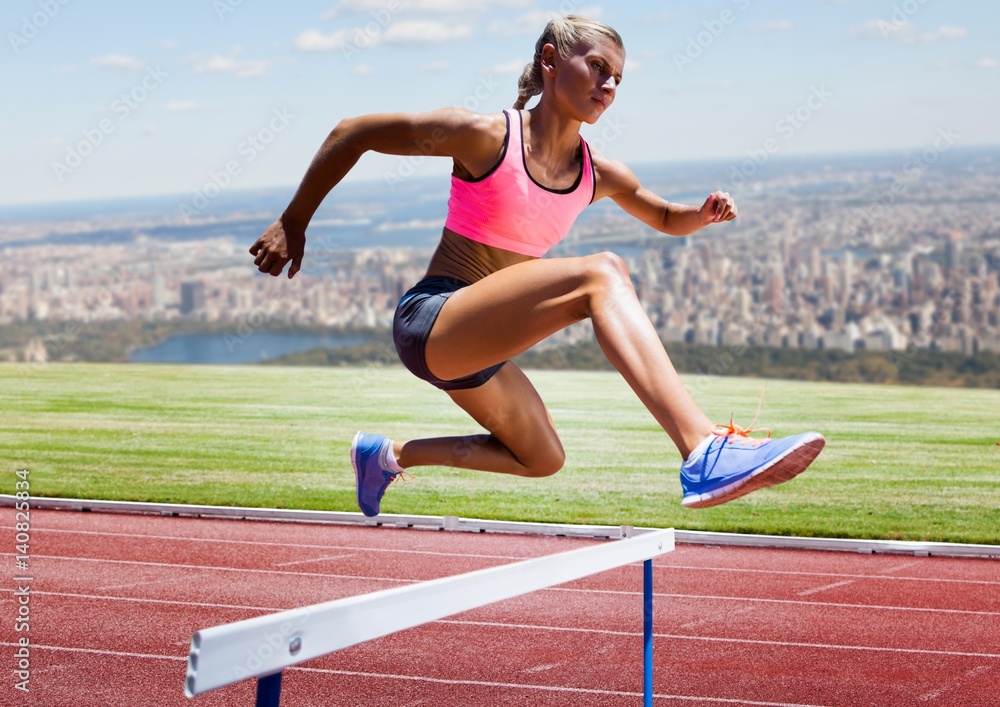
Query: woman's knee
{"points": [[545, 463], [607, 270]]}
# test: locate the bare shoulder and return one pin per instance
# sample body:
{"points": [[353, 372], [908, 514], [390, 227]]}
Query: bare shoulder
{"points": [[613, 176], [477, 140], [446, 132]]}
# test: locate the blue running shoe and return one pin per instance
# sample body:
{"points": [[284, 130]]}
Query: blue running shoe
{"points": [[371, 477], [733, 464]]}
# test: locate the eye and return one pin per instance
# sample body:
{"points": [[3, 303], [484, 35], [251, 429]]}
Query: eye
{"points": [[598, 66]]}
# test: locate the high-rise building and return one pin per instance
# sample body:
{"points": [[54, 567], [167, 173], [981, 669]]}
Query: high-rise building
{"points": [[192, 296]]}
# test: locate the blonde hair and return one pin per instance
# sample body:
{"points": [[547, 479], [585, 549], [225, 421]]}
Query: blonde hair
{"points": [[565, 33]]}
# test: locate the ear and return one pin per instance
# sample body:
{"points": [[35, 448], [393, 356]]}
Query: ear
{"points": [[549, 54]]}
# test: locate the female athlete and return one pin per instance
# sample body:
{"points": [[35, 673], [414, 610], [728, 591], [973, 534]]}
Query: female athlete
{"points": [[519, 180]]}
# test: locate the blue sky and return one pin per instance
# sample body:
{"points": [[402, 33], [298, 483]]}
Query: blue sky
{"points": [[110, 99]]}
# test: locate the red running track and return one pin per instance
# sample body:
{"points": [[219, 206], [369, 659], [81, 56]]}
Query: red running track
{"points": [[115, 599]]}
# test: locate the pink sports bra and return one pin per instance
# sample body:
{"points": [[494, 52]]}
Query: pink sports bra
{"points": [[506, 208]]}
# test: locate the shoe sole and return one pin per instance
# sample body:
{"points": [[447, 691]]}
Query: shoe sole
{"points": [[357, 469], [784, 468]]}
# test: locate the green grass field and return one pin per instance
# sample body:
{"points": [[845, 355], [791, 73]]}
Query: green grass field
{"points": [[900, 462]]}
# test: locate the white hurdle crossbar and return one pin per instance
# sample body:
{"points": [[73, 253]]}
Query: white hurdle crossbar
{"points": [[263, 646]]}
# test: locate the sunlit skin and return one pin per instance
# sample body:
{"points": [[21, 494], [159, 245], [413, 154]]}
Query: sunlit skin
{"points": [[515, 301]]}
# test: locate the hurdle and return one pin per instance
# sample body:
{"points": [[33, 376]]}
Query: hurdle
{"points": [[262, 647]]}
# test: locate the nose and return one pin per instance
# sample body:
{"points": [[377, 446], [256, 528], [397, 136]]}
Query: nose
{"points": [[610, 85]]}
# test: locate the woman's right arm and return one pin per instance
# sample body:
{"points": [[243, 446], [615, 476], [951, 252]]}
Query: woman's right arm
{"points": [[449, 132]]}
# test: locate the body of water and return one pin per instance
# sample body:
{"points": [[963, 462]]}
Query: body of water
{"points": [[225, 348]]}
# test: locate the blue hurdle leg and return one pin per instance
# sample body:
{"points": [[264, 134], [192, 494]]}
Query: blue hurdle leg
{"points": [[647, 633], [269, 690]]}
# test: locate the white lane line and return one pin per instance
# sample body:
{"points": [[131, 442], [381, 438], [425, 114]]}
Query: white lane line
{"points": [[146, 600], [664, 566], [657, 567], [554, 688], [723, 616], [130, 585], [442, 681], [305, 546], [723, 639], [969, 675], [211, 568], [315, 559], [833, 604], [570, 629], [817, 590], [897, 568], [714, 599]]}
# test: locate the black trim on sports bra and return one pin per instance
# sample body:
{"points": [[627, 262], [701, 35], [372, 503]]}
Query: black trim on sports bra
{"points": [[503, 154], [593, 172], [524, 162]]}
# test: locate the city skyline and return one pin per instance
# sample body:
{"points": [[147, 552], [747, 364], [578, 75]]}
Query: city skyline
{"points": [[128, 100], [853, 256]]}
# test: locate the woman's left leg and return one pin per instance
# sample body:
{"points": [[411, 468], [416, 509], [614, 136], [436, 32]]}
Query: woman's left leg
{"points": [[521, 438]]}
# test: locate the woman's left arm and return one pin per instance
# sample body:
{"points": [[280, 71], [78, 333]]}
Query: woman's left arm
{"points": [[616, 180]]}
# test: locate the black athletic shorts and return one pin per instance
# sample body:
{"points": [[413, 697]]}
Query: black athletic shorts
{"points": [[415, 315]]}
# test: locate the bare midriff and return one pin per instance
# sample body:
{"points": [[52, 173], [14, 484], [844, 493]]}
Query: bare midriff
{"points": [[463, 259]]}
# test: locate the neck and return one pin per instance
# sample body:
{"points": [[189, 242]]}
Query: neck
{"points": [[551, 133]]}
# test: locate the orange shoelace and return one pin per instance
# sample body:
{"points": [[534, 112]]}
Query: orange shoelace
{"points": [[398, 476], [741, 435]]}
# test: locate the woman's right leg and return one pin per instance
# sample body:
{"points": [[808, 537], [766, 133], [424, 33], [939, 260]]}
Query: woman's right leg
{"points": [[509, 311]]}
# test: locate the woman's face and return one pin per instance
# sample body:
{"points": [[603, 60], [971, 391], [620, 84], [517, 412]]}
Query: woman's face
{"points": [[586, 82]]}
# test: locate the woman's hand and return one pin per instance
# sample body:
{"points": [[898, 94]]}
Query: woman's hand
{"points": [[279, 244], [718, 207]]}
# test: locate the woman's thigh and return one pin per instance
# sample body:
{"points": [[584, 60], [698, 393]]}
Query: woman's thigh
{"points": [[511, 310]]}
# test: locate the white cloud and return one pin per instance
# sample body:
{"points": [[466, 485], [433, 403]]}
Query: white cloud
{"points": [[772, 26], [314, 41], [425, 31], [907, 32], [631, 65], [399, 32], [437, 67], [534, 21], [512, 67], [988, 62], [528, 23], [182, 106], [241, 69], [116, 62], [48, 142], [380, 8], [363, 70], [353, 7]]}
